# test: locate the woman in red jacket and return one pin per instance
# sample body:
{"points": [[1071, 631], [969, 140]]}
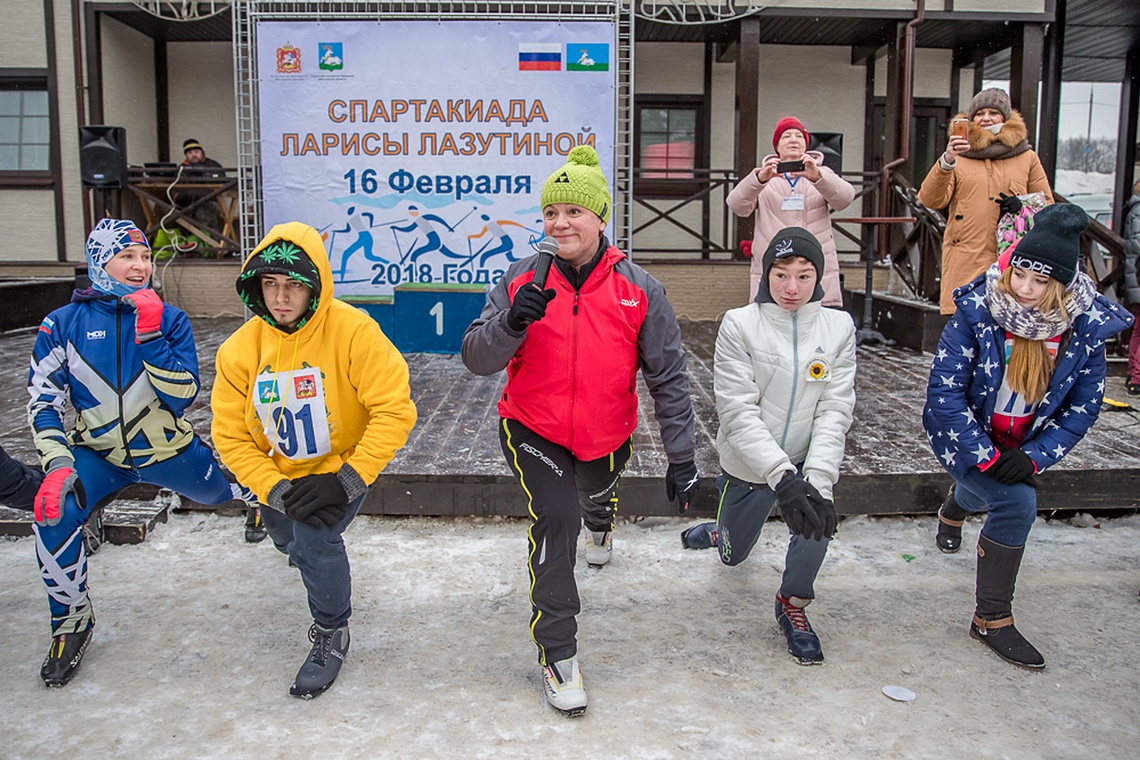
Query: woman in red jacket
{"points": [[572, 349]]}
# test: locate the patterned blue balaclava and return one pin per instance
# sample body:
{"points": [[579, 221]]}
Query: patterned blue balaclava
{"points": [[108, 238]]}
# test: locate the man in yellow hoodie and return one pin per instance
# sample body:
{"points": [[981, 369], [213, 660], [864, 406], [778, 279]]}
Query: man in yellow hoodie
{"points": [[311, 402]]}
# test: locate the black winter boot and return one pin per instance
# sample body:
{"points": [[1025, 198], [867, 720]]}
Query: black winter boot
{"points": [[993, 619], [64, 657], [951, 517]]}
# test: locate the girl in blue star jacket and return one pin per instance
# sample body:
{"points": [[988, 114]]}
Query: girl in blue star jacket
{"points": [[1016, 383]]}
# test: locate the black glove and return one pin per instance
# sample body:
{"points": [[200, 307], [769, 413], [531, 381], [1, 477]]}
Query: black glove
{"points": [[800, 504], [682, 481], [1013, 466], [1009, 204], [825, 508], [317, 500], [529, 306]]}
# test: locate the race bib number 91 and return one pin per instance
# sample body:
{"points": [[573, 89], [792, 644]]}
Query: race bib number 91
{"points": [[291, 407]]}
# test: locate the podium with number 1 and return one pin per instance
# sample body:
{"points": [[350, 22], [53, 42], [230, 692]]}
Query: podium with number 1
{"points": [[432, 318]]}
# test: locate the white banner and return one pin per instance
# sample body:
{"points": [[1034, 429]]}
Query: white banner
{"points": [[419, 148]]}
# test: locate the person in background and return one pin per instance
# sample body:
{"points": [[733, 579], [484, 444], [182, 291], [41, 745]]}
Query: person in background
{"points": [[1131, 234], [802, 198], [572, 351], [197, 166], [127, 364], [977, 179], [311, 402], [1016, 382], [18, 482], [784, 378]]}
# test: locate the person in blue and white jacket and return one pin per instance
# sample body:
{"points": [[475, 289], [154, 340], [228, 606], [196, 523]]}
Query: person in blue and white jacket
{"points": [[127, 364], [1017, 382]]}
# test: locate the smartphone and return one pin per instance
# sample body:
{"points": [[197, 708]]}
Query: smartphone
{"points": [[790, 166], [961, 128]]}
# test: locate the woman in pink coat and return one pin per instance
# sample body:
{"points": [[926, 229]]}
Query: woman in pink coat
{"points": [[793, 199]]}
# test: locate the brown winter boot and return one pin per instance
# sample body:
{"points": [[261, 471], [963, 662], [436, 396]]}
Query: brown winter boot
{"points": [[993, 619]]}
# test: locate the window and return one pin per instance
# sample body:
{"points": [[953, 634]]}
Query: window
{"points": [[668, 141], [25, 136]]}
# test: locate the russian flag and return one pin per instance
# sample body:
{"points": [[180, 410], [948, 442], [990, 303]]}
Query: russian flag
{"points": [[540, 56]]}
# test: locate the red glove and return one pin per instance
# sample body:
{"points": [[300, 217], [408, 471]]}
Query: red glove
{"points": [[148, 310], [48, 504]]}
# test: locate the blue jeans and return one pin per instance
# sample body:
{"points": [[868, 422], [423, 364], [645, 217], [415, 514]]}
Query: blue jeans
{"points": [[742, 511], [320, 555], [1012, 508]]}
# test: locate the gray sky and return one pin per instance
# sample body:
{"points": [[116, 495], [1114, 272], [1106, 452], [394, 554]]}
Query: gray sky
{"points": [[1075, 97]]}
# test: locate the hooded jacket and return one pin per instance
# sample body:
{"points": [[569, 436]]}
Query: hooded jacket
{"points": [[128, 397], [830, 193], [572, 375], [968, 191], [967, 374], [333, 393], [785, 390]]}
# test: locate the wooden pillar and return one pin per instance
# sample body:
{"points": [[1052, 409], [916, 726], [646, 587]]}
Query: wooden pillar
{"points": [[1026, 60], [892, 147], [747, 109], [1126, 138], [162, 99], [1046, 144]]}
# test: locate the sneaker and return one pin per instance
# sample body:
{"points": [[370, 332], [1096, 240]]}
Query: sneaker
{"points": [[1132, 389], [599, 547], [701, 536], [323, 663], [64, 657], [803, 644], [1006, 642], [92, 533], [254, 526], [563, 687]]}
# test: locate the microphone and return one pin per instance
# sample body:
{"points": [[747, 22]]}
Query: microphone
{"points": [[547, 250]]}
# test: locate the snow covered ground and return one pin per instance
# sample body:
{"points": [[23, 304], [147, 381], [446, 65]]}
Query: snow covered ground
{"points": [[1071, 182], [199, 636]]}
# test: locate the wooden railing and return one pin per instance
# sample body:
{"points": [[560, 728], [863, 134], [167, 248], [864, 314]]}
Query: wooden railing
{"points": [[667, 194]]}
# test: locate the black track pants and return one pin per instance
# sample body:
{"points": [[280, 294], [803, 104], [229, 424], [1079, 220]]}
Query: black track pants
{"points": [[560, 490]]}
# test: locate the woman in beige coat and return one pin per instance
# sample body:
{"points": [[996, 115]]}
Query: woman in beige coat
{"points": [[968, 181], [793, 199]]}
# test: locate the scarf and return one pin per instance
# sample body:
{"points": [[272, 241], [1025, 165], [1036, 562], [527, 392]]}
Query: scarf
{"points": [[997, 150], [1032, 324]]}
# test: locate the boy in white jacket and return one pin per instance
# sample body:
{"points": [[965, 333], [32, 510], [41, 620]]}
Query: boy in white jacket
{"points": [[784, 378]]}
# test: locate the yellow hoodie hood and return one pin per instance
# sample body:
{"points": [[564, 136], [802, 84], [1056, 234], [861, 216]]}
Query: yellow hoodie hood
{"points": [[296, 250]]}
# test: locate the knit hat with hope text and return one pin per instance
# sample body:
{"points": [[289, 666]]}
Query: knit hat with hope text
{"points": [[1053, 246]]}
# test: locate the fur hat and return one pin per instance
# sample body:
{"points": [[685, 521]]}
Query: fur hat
{"points": [[991, 98], [580, 181], [789, 242], [786, 123], [105, 241], [1052, 246], [191, 144]]}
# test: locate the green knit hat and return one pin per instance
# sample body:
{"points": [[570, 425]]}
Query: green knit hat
{"points": [[581, 182]]}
